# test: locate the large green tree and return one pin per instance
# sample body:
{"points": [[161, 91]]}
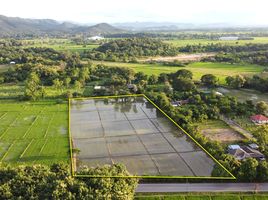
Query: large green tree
{"points": [[32, 86], [262, 107], [248, 170], [237, 81], [58, 84], [262, 171], [153, 79], [183, 84], [182, 73], [209, 80], [139, 77]]}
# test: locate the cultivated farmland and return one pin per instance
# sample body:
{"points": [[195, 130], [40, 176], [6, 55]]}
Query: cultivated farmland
{"points": [[130, 130], [33, 132], [58, 44], [221, 70], [180, 43]]}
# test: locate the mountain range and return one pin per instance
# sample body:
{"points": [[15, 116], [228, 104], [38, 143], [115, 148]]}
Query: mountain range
{"points": [[15, 26]]}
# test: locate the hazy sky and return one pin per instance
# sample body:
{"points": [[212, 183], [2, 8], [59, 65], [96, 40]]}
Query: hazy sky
{"points": [[95, 11]]}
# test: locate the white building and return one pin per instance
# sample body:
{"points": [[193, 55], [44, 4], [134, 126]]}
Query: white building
{"points": [[229, 38], [98, 87], [96, 38]]}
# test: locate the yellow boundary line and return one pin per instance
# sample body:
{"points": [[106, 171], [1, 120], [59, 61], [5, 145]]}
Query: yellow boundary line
{"points": [[232, 177], [70, 138]]}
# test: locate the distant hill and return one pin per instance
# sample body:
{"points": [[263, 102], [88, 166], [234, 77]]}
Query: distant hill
{"points": [[176, 26], [153, 26], [15, 26], [98, 29]]}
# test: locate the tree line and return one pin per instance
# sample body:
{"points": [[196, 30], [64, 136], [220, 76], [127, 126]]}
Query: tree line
{"points": [[34, 55], [56, 182], [189, 35], [130, 49], [218, 47], [256, 57], [256, 82]]}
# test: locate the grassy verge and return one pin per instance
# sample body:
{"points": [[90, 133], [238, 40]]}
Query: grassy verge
{"points": [[203, 197], [247, 124], [212, 124]]}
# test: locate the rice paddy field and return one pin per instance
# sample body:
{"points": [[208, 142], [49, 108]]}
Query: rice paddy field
{"points": [[180, 43], [68, 47], [12, 91], [221, 70], [66, 44], [58, 44], [33, 132], [130, 130]]}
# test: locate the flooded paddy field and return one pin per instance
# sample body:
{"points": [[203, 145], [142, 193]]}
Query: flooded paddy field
{"points": [[132, 131]]}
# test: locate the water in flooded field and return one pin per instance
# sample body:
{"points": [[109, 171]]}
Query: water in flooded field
{"points": [[132, 131]]}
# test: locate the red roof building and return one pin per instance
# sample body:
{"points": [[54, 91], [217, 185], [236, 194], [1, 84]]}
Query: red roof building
{"points": [[259, 119]]}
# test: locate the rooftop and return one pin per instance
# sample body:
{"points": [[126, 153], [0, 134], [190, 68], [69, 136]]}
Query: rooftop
{"points": [[259, 118]]}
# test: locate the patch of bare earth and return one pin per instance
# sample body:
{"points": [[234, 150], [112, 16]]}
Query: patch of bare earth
{"points": [[180, 57], [224, 135]]}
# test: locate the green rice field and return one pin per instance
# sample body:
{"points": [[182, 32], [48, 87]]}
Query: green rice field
{"points": [[221, 70], [58, 44], [11, 91], [179, 43], [33, 132], [68, 47]]}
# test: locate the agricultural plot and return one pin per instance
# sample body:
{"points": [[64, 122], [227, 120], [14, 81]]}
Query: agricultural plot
{"points": [[218, 130], [132, 131], [4, 68], [8, 91], [33, 133], [221, 70], [180, 43], [58, 44]]}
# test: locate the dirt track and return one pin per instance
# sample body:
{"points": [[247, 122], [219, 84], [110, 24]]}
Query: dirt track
{"points": [[180, 57]]}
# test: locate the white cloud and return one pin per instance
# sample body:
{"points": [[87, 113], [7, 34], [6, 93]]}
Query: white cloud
{"points": [[86, 11]]}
